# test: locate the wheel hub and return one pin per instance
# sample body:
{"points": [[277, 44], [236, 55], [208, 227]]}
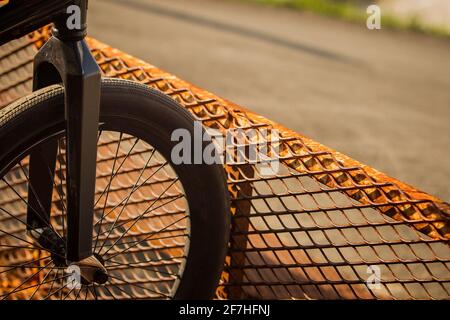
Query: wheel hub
{"points": [[91, 269]]}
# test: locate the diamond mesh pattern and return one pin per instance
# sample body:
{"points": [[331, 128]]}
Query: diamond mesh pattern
{"points": [[317, 229]]}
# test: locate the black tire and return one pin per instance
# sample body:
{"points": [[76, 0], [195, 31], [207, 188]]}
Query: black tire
{"points": [[152, 117]]}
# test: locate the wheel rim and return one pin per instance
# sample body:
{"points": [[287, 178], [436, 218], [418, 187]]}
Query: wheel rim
{"points": [[141, 226]]}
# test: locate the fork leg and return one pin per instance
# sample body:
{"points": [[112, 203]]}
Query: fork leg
{"points": [[67, 57], [40, 188], [82, 116]]}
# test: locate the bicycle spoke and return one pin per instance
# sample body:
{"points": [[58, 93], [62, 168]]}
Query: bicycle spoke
{"points": [[55, 278], [25, 265], [94, 291], [138, 286], [146, 238], [148, 268], [19, 247], [117, 171], [21, 265], [34, 286], [59, 290], [128, 197], [78, 293], [39, 201], [153, 260], [107, 289], [26, 224], [108, 187], [25, 281], [145, 212], [40, 284], [26, 203], [159, 238], [68, 294], [99, 135], [120, 289], [145, 181], [140, 216], [87, 292], [32, 244]]}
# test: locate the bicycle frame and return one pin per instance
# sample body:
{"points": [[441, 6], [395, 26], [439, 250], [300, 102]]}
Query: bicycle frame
{"points": [[65, 59], [23, 16]]}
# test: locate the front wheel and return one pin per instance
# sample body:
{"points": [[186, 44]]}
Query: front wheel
{"points": [[160, 229]]}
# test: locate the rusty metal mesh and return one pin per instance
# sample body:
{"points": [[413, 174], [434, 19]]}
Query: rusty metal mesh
{"points": [[317, 228]]}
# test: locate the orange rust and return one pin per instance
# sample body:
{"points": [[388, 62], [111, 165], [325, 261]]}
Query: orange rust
{"points": [[279, 256], [436, 207]]}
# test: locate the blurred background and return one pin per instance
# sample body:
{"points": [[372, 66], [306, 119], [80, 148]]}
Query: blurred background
{"points": [[379, 96]]}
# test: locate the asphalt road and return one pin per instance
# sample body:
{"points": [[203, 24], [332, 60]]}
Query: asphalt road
{"points": [[381, 97]]}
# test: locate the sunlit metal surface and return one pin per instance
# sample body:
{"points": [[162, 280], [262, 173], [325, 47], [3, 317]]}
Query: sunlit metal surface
{"points": [[320, 227]]}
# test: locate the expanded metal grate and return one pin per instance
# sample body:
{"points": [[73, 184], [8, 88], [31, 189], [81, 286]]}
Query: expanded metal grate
{"points": [[322, 226], [141, 219]]}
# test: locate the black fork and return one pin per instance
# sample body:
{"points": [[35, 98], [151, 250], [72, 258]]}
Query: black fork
{"points": [[66, 59]]}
